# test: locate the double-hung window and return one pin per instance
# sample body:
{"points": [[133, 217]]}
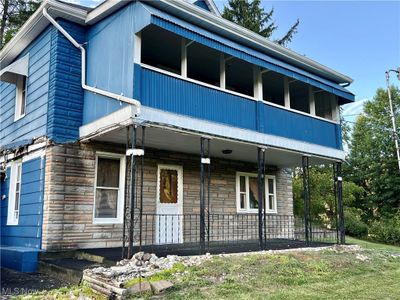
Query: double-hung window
{"points": [[109, 188], [20, 98], [14, 197], [247, 193]]}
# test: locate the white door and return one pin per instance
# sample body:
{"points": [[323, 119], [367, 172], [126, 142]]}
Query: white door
{"points": [[169, 218]]}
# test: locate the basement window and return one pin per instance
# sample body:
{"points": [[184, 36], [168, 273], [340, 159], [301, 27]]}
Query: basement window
{"points": [[203, 63], [273, 87], [323, 104], [161, 49], [299, 96], [239, 76], [109, 189]]}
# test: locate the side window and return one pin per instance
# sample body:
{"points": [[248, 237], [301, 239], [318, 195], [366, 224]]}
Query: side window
{"points": [[20, 98], [14, 196], [109, 189]]}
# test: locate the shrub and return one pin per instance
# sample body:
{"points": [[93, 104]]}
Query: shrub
{"points": [[387, 230], [353, 224]]}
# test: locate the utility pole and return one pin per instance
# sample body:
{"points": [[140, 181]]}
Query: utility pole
{"points": [[395, 134]]}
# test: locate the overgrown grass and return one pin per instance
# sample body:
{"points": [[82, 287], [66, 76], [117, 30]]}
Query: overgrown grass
{"points": [[300, 275]]}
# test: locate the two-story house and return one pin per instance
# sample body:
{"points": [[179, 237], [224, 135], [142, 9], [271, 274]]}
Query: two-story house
{"points": [[156, 123]]}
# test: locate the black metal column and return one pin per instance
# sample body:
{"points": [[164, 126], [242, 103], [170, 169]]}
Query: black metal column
{"points": [[340, 202], [306, 195], [141, 189], [335, 203], [132, 193], [126, 203], [205, 178], [261, 196]]}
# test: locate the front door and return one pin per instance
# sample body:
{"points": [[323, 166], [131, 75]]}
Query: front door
{"points": [[169, 218]]}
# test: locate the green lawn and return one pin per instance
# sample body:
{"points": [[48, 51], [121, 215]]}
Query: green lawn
{"points": [[302, 275]]}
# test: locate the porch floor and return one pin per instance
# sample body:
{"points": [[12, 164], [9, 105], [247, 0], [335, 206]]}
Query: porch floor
{"points": [[114, 254]]}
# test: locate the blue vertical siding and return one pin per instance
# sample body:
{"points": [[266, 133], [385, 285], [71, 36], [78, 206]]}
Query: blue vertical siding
{"points": [[33, 124], [65, 106], [182, 97], [28, 232]]}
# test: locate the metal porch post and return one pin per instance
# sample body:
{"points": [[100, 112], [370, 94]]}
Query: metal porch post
{"points": [[306, 187], [261, 193], [335, 203], [340, 202], [132, 192], [204, 160]]}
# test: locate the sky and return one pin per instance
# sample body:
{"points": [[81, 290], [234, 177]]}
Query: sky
{"points": [[358, 38]]}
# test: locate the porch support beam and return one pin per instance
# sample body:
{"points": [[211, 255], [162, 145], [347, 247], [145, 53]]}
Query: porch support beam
{"points": [[205, 178], [261, 194], [339, 179], [306, 196], [132, 195]]}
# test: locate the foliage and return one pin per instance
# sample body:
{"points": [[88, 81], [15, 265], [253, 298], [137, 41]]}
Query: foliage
{"points": [[14, 14], [372, 160], [251, 15], [387, 230], [353, 224], [322, 194]]}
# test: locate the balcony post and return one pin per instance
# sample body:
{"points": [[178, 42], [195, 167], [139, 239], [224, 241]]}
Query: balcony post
{"points": [[132, 193], [340, 202], [335, 203], [261, 194], [205, 178], [306, 196]]}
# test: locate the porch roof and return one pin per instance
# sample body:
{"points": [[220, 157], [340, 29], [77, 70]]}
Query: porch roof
{"points": [[178, 133]]}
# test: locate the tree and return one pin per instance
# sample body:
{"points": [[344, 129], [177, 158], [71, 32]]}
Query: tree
{"points": [[372, 159], [251, 15], [14, 14]]}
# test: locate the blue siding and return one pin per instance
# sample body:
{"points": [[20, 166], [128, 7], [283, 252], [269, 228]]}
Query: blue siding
{"points": [[66, 94], [33, 124], [179, 96], [28, 232], [202, 4]]}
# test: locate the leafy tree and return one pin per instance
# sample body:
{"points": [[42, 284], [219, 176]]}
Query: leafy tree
{"points": [[373, 161], [251, 15], [14, 14], [322, 194]]}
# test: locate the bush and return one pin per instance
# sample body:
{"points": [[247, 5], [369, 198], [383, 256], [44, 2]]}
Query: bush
{"points": [[387, 230], [353, 224]]}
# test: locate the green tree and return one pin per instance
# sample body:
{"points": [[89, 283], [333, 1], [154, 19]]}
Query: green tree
{"points": [[251, 15], [372, 159], [14, 13]]}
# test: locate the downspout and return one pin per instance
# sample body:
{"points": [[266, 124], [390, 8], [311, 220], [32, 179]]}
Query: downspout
{"points": [[83, 76]]}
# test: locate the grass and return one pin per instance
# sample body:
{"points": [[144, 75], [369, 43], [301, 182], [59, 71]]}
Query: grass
{"points": [[302, 275]]}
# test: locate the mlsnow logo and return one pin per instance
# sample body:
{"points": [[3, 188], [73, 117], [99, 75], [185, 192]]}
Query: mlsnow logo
{"points": [[17, 291]]}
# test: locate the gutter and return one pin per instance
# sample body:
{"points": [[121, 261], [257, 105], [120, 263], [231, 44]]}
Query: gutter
{"points": [[94, 90]]}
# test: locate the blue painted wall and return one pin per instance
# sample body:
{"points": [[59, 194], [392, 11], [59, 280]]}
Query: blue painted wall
{"points": [[179, 96], [28, 232], [65, 103], [35, 121]]}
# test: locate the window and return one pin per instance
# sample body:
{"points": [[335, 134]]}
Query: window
{"points": [[273, 87], [20, 98], [239, 76], [299, 96], [247, 193], [161, 49], [109, 189], [323, 104], [168, 186], [14, 197], [203, 64]]}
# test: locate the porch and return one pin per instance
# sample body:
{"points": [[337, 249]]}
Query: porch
{"points": [[201, 220]]}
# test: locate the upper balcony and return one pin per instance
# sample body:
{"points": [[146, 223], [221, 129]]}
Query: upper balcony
{"points": [[186, 77]]}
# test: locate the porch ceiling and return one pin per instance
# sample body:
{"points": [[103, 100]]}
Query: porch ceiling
{"points": [[178, 141]]}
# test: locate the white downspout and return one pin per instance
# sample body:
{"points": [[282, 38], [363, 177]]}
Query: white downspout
{"points": [[83, 77]]}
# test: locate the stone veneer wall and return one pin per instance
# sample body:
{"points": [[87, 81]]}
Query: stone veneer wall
{"points": [[69, 193]]}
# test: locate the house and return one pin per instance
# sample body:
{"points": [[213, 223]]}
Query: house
{"points": [[157, 123]]}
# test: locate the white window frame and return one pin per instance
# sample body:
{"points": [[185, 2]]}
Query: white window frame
{"points": [[247, 208], [121, 189], [20, 97], [12, 213]]}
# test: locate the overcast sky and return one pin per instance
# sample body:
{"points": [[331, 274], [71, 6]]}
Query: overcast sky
{"points": [[358, 38]]}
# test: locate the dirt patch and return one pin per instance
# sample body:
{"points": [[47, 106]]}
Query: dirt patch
{"points": [[15, 283]]}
